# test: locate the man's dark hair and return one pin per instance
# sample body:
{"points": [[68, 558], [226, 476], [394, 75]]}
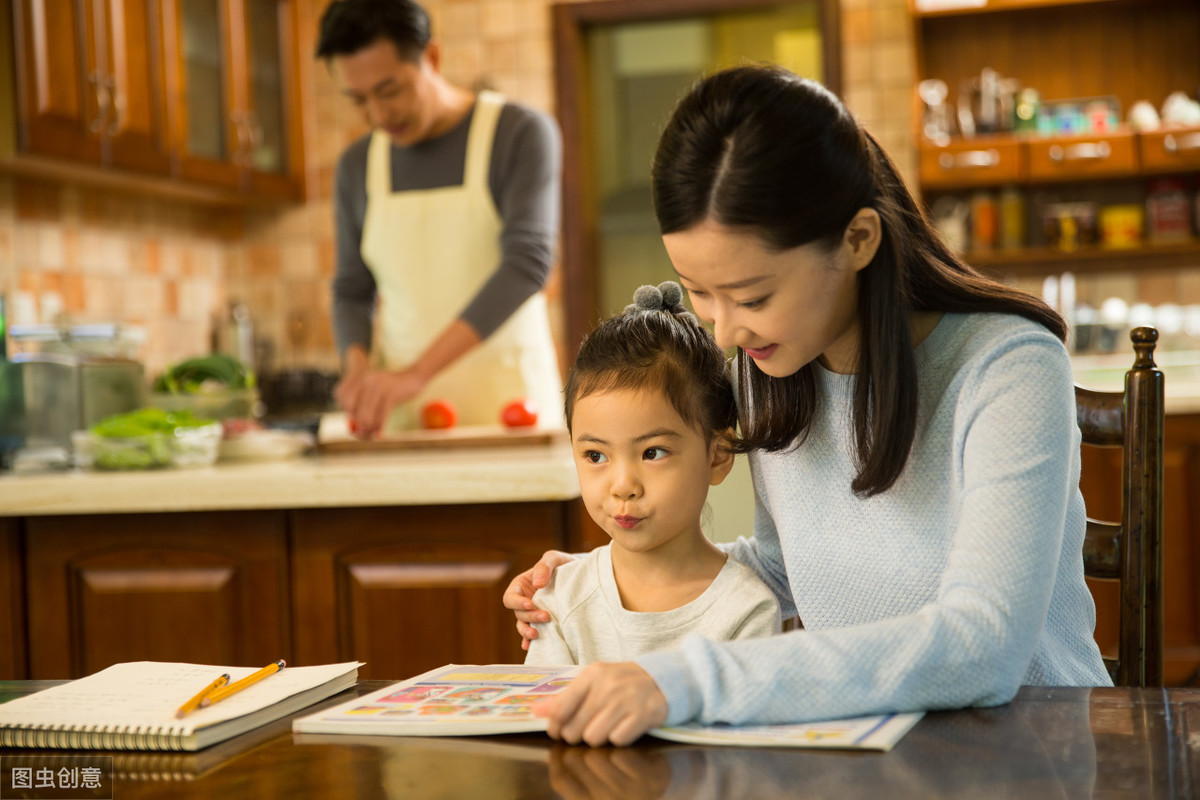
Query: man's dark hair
{"points": [[348, 26]]}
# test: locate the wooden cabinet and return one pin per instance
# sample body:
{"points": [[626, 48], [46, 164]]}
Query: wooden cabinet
{"points": [[235, 117], [1068, 50], [1100, 482], [1170, 150], [412, 588], [207, 587], [988, 161], [404, 589], [203, 93], [90, 83], [12, 602]]}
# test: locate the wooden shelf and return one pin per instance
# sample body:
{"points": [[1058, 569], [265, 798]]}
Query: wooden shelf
{"points": [[1048, 260], [992, 6]]}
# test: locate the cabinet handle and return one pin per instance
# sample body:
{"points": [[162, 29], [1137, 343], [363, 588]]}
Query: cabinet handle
{"points": [[116, 105], [1187, 141], [240, 131], [256, 130], [100, 87], [970, 159], [1084, 151]]}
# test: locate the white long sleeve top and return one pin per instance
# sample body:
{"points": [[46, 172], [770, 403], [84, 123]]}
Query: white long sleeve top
{"points": [[951, 589], [589, 623]]}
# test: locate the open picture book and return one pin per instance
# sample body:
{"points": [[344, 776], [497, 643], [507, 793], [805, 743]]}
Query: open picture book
{"points": [[132, 706], [468, 700]]}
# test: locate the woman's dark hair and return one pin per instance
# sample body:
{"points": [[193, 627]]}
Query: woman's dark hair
{"points": [[348, 26], [764, 150], [665, 349]]}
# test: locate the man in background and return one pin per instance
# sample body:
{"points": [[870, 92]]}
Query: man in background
{"points": [[447, 217]]}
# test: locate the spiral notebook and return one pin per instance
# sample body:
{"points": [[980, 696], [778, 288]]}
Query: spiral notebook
{"points": [[132, 706]]}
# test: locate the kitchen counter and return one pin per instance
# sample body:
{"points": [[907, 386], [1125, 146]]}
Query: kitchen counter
{"points": [[420, 477], [1181, 372]]}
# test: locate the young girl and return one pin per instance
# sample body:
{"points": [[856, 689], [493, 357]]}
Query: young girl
{"points": [[649, 407], [915, 451]]}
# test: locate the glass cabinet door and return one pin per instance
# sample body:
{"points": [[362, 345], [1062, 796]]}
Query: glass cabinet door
{"points": [[204, 80], [265, 61]]}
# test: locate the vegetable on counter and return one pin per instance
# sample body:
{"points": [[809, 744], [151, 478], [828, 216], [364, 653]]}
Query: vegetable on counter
{"points": [[147, 438], [215, 372], [439, 414], [521, 413]]}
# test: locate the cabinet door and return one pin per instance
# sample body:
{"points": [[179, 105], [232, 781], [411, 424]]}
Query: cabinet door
{"points": [[209, 588], [200, 90], [413, 588], [987, 161], [12, 602], [135, 125], [1084, 157], [270, 115], [1170, 150], [59, 80]]}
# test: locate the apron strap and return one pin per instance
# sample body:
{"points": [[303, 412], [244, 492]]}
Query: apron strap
{"points": [[479, 139], [379, 165]]}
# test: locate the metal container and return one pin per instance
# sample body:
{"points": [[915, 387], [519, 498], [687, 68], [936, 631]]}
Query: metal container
{"points": [[58, 381]]}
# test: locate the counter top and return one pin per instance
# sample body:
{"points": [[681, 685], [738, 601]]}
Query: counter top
{"points": [[426, 477], [1181, 373]]}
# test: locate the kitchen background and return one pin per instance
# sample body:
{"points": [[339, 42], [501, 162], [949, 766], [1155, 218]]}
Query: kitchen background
{"points": [[175, 268]]}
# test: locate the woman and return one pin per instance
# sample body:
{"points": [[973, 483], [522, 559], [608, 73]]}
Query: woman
{"points": [[911, 433]]}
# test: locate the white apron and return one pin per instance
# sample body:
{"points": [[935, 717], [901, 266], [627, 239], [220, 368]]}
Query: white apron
{"points": [[430, 251]]}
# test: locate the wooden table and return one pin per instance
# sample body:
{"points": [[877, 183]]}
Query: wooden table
{"points": [[1049, 742]]}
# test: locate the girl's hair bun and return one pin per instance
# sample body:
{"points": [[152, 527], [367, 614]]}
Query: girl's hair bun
{"points": [[667, 296]]}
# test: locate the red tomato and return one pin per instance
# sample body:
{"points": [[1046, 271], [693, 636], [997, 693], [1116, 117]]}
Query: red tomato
{"points": [[520, 413], [439, 414]]}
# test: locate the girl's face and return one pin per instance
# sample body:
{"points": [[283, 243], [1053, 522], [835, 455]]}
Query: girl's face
{"points": [[783, 309], [643, 472]]}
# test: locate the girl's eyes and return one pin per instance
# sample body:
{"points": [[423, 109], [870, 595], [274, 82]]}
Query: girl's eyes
{"points": [[655, 453], [593, 457]]}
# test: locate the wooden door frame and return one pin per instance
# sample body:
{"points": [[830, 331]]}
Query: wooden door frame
{"points": [[569, 21]]}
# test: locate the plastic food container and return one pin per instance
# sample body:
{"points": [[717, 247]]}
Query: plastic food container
{"points": [[186, 447], [211, 405]]}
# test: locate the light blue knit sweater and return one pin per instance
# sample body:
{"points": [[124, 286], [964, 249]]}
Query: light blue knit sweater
{"points": [[951, 589]]}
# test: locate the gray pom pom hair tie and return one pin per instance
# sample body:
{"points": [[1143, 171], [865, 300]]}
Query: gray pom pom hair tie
{"points": [[667, 296]]}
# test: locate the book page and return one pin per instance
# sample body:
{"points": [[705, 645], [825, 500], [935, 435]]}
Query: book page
{"points": [[147, 694], [868, 733], [458, 698]]}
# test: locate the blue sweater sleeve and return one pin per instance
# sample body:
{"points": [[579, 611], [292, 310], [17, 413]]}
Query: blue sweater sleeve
{"points": [[1013, 461]]}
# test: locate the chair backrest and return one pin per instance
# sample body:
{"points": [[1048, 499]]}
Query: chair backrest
{"points": [[1131, 550]]}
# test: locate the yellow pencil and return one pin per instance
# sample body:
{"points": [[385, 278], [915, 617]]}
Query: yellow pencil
{"points": [[237, 686], [192, 704]]}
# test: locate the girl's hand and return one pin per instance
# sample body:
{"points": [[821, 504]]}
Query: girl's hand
{"points": [[519, 595], [605, 703]]}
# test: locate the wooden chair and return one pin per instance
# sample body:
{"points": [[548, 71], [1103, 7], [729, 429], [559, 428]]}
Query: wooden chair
{"points": [[1130, 551]]}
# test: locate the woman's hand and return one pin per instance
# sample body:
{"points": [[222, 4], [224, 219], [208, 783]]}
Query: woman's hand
{"points": [[605, 703], [519, 595]]}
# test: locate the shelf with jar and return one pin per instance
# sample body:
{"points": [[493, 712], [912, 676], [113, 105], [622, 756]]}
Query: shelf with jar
{"points": [[1055, 104], [1083, 227]]}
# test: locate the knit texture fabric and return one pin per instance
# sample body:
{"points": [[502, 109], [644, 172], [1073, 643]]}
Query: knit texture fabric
{"points": [[953, 588], [588, 622]]}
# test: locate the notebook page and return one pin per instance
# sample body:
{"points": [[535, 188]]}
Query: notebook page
{"points": [[147, 694]]}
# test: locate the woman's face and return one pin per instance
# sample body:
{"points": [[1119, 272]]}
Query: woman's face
{"points": [[783, 309]]}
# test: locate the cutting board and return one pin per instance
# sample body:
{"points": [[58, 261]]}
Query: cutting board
{"points": [[334, 437]]}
